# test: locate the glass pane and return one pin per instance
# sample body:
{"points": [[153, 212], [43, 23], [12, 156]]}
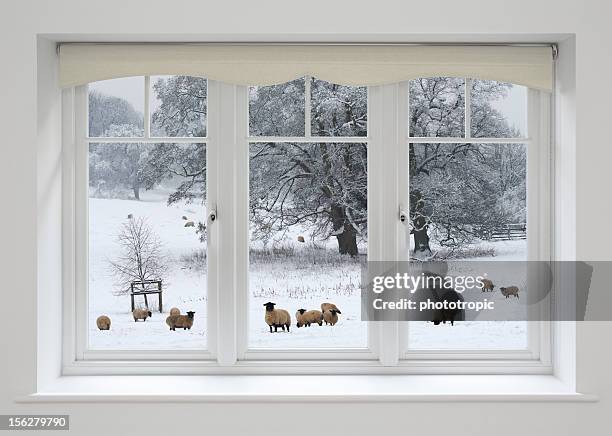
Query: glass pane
{"points": [[308, 222], [277, 110], [116, 107], [463, 198], [146, 223], [499, 110], [437, 107], [338, 110], [178, 106]]}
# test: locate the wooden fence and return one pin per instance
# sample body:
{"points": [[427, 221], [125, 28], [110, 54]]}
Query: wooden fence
{"points": [[505, 232]]}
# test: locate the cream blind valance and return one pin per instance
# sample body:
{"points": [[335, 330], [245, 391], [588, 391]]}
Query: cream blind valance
{"points": [[272, 64]]}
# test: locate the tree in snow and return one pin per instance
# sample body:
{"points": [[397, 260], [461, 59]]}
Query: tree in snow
{"points": [[117, 166], [182, 110], [457, 191], [141, 254], [106, 110]]}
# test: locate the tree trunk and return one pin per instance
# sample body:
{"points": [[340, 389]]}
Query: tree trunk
{"points": [[136, 189], [421, 238], [347, 241], [345, 233], [420, 225]]}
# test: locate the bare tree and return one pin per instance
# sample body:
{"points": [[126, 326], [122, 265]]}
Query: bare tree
{"points": [[141, 258]]}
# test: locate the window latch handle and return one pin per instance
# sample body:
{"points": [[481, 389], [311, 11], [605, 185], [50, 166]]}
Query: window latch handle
{"points": [[403, 215], [212, 215]]}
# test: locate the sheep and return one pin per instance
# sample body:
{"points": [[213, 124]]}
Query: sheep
{"points": [[451, 315], [298, 317], [184, 218], [487, 285], [103, 322], [306, 318], [331, 316], [142, 314], [189, 224], [510, 290], [181, 321], [276, 317], [301, 239], [175, 311], [329, 306]]}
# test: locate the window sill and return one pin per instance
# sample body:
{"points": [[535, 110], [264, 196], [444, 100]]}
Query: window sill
{"points": [[386, 388]]}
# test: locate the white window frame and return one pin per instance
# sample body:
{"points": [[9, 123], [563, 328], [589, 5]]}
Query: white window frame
{"points": [[227, 144]]}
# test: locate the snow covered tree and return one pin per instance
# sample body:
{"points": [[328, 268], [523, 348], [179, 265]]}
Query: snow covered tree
{"points": [[118, 166], [182, 110], [106, 111], [141, 254], [461, 189], [323, 185]]}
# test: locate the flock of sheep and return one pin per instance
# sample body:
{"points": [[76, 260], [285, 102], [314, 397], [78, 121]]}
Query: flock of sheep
{"points": [[304, 318], [174, 321]]}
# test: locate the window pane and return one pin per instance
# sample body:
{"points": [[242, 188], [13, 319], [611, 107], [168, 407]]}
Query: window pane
{"points": [[178, 106], [308, 221], [437, 107], [116, 107], [338, 110], [146, 222], [499, 110], [463, 198], [277, 110]]}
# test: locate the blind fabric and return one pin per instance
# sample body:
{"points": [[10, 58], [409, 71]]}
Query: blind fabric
{"points": [[362, 65]]}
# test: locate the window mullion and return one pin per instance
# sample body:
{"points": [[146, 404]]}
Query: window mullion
{"points": [[307, 107], [383, 216], [147, 112]]}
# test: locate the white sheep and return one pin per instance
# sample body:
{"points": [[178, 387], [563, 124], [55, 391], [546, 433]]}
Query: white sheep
{"points": [[276, 317]]}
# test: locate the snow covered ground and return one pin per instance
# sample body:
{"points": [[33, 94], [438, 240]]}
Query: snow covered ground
{"points": [[184, 288], [479, 335], [297, 276]]}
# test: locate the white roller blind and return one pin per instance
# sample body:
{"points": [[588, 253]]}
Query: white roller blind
{"points": [[342, 64]]}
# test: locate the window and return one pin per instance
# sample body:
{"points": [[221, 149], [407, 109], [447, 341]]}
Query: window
{"points": [[230, 197]]}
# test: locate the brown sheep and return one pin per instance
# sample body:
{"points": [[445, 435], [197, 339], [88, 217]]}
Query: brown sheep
{"points": [[142, 314], [487, 285], [331, 316], [329, 306], [103, 322], [306, 318], [301, 239], [175, 311], [510, 290], [181, 321], [276, 317]]}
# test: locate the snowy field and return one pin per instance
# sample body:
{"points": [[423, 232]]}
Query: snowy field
{"points": [[295, 276], [479, 335], [184, 288]]}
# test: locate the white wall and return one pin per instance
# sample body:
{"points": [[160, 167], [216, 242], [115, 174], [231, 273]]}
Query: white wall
{"points": [[30, 135]]}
